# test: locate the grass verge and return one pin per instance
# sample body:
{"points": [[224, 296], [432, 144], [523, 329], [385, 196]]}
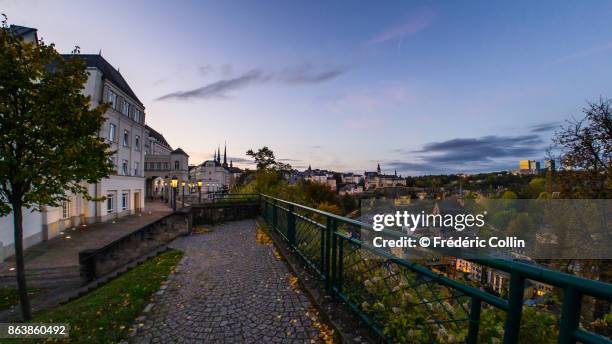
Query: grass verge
{"points": [[106, 314], [10, 296]]}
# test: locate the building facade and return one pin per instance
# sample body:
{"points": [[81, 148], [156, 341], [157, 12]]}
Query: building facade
{"points": [[377, 180], [216, 174], [123, 191]]}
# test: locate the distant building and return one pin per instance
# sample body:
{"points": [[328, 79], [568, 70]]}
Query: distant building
{"points": [[162, 163], [350, 189], [374, 180], [351, 178], [216, 175], [529, 167], [549, 165]]}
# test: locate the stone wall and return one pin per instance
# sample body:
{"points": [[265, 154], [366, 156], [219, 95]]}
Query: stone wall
{"points": [[95, 263], [212, 213]]}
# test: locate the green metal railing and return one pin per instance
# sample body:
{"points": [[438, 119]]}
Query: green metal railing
{"points": [[392, 294], [219, 197]]}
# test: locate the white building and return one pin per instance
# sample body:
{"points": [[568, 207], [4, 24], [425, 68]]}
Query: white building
{"points": [[216, 175], [124, 129]]}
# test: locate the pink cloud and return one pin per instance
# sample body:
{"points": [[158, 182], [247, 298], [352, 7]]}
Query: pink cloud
{"points": [[415, 22]]}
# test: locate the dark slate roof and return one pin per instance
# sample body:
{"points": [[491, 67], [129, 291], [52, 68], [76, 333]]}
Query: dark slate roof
{"points": [[109, 72], [215, 161], [179, 151], [21, 30], [157, 136]]}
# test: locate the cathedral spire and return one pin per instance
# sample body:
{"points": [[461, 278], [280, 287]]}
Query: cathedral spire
{"points": [[378, 168], [225, 155], [219, 153]]}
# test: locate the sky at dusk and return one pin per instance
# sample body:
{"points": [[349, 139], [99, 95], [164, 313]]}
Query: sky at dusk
{"points": [[418, 86]]}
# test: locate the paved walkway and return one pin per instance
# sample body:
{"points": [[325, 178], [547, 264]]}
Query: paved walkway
{"points": [[53, 265], [230, 288], [62, 252]]}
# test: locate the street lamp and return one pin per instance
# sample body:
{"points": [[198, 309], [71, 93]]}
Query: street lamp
{"points": [[200, 191], [174, 184], [183, 186]]}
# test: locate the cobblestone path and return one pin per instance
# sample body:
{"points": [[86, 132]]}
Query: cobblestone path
{"points": [[230, 288]]}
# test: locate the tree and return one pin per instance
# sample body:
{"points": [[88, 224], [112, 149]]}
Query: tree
{"points": [[49, 142], [264, 158], [586, 153]]}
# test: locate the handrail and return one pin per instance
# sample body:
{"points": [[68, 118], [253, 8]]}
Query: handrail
{"points": [[329, 265], [538, 273]]}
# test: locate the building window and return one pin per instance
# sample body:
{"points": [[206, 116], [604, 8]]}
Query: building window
{"points": [[126, 138], [158, 166], [166, 166], [112, 161], [65, 209], [110, 203], [137, 142], [112, 98], [126, 108], [124, 201], [112, 132], [176, 165], [136, 168], [124, 168], [137, 115]]}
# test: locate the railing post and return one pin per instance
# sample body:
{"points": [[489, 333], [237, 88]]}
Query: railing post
{"points": [[474, 321], [570, 315], [340, 264], [329, 230], [291, 225], [274, 213], [515, 308], [334, 256]]}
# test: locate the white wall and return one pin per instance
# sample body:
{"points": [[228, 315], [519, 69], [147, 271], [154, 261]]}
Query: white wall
{"points": [[32, 225]]}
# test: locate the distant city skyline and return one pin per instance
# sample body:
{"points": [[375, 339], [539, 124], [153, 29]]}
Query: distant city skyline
{"points": [[419, 87]]}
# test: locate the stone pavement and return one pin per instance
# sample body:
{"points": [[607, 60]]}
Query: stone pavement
{"points": [[53, 265], [230, 288], [62, 252]]}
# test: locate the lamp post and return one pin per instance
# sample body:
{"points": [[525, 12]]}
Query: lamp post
{"points": [[183, 186], [174, 186], [200, 191]]}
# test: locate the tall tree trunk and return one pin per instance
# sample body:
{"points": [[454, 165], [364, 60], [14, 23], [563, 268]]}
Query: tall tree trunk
{"points": [[21, 277]]}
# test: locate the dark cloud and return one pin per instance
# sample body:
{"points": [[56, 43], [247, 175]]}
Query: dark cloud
{"points": [[295, 76], [289, 160], [485, 153], [217, 89], [240, 160], [307, 74], [477, 149], [543, 127]]}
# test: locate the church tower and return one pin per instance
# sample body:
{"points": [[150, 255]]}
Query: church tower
{"points": [[225, 155], [378, 169]]}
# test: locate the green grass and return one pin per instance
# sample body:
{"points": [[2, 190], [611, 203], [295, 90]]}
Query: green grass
{"points": [[106, 314], [10, 297]]}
